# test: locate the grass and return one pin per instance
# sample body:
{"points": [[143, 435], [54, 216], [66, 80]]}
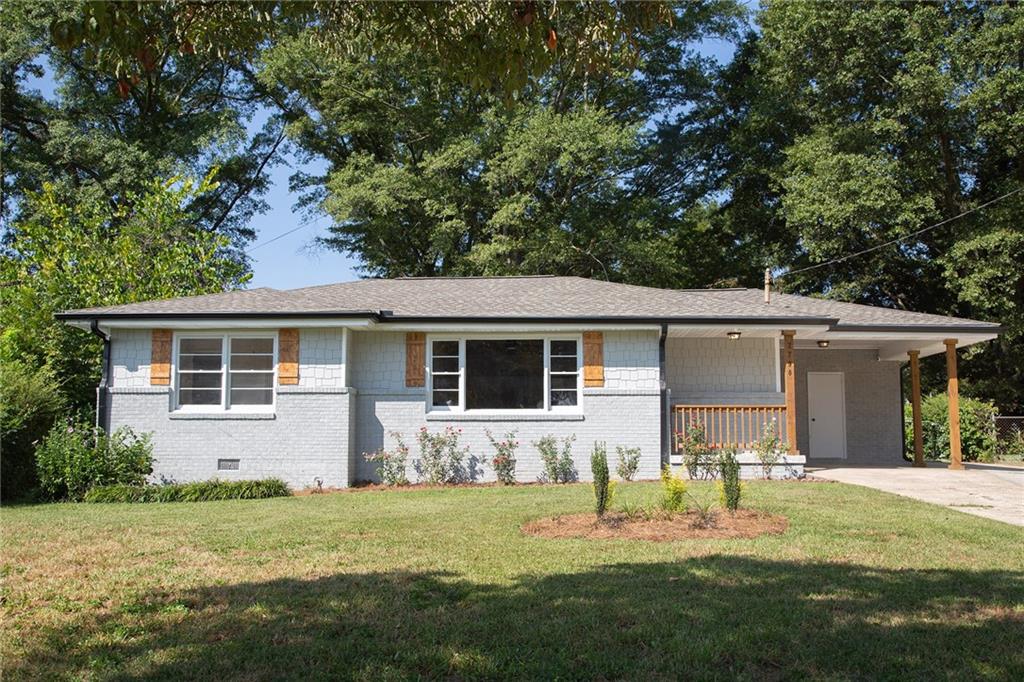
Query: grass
{"points": [[441, 583]]}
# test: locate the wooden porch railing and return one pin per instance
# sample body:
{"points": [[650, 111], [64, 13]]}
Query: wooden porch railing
{"points": [[738, 425]]}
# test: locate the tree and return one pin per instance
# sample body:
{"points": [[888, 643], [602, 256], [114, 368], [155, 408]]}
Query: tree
{"points": [[900, 116], [428, 175], [103, 137], [71, 256], [481, 44]]}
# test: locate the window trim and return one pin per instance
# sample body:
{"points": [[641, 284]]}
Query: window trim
{"points": [[225, 369], [498, 336]]}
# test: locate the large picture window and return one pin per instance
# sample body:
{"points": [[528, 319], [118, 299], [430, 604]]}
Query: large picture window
{"points": [[225, 372], [504, 374]]}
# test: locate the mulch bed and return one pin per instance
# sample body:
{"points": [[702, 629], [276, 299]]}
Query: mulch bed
{"points": [[744, 523]]}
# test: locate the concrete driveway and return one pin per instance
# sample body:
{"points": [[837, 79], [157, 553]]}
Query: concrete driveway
{"points": [[991, 490]]}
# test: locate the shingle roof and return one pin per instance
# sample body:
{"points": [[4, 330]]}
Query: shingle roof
{"points": [[535, 298]]}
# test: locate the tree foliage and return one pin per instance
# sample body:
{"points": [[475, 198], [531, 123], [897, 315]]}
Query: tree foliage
{"points": [[83, 255], [428, 175], [101, 137], [848, 125]]}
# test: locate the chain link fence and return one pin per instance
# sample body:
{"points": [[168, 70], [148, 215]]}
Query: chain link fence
{"points": [[1010, 437]]}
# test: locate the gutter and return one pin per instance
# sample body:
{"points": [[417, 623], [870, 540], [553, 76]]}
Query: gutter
{"points": [[102, 413]]}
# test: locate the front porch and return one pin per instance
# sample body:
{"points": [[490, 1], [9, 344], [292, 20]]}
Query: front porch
{"points": [[830, 395]]}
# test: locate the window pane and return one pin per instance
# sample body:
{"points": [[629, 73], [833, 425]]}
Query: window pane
{"points": [[563, 348], [211, 345], [446, 364], [264, 362], [563, 381], [446, 347], [563, 398], [446, 381], [505, 374], [563, 364], [189, 396], [252, 380], [202, 362], [245, 345], [189, 380], [251, 397], [446, 399]]}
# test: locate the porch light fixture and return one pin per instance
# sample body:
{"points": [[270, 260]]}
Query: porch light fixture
{"points": [[823, 343], [733, 335]]}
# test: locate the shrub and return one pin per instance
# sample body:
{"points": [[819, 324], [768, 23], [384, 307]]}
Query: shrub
{"points": [[698, 456], [202, 491], [74, 457], [629, 462], [558, 465], [729, 486], [30, 403], [977, 428], [599, 469], [673, 497], [768, 448], [391, 464], [441, 458], [1011, 448], [504, 460]]}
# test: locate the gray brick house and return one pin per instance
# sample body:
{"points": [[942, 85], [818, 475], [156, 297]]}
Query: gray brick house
{"points": [[299, 384]]}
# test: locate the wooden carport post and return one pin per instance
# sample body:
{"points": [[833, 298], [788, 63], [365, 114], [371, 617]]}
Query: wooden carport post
{"points": [[789, 374], [953, 391], [915, 405]]}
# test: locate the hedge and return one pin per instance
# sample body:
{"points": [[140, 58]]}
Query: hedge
{"points": [[977, 428], [203, 491]]}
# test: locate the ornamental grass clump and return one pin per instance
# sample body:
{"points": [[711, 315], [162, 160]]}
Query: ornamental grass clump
{"points": [[599, 469], [729, 486], [200, 491], [391, 464], [504, 460], [558, 465], [629, 462]]}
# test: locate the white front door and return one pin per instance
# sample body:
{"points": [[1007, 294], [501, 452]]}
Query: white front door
{"points": [[826, 415]]}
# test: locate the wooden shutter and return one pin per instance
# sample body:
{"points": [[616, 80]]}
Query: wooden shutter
{"points": [[288, 357], [160, 358], [415, 358], [593, 359]]}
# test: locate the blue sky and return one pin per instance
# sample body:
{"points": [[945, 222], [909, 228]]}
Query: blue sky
{"points": [[291, 259]]}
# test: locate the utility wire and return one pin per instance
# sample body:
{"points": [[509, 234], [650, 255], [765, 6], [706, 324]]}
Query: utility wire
{"points": [[899, 239], [280, 236]]}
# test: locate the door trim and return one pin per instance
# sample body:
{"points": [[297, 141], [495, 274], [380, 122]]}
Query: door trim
{"points": [[842, 401]]}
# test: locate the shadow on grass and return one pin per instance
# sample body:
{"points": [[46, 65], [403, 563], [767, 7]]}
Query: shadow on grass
{"points": [[719, 616]]}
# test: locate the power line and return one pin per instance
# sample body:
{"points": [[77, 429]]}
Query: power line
{"points": [[280, 236], [900, 239]]}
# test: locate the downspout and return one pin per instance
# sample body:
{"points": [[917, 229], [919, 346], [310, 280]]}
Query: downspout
{"points": [[102, 414], [666, 435]]}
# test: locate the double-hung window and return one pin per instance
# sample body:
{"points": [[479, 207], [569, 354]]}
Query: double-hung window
{"points": [[225, 372], [495, 373]]}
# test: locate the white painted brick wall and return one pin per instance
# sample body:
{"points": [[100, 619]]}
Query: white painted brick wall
{"points": [[308, 437], [874, 416], [706, 367], [625, 412]]}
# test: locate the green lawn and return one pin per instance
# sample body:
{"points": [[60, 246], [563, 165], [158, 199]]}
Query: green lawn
{"points": [[441, 583]]}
